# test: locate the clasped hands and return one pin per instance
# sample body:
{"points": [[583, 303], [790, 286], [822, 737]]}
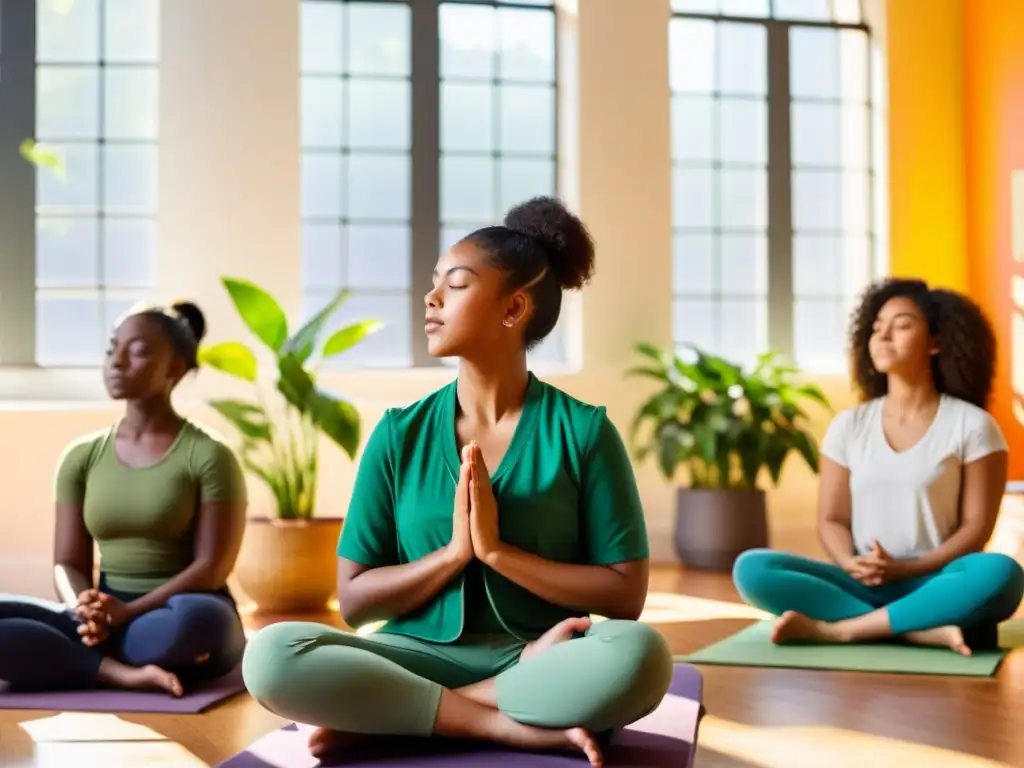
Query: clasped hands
{"points": [[876, 568], [99, 613], [475, 517]]}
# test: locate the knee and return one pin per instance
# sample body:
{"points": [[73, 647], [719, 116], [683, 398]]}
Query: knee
{"points": [[750, 569], [645, 667], [206, 616], [266, 661], [1002, 572]]}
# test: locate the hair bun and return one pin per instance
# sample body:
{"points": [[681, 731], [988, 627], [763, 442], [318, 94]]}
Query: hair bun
{"points": [[193, 316], [562, 235]]}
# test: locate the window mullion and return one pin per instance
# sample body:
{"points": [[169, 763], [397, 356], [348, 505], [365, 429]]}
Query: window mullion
{"points": [[426, 216], [780, 207], [17, 183]]}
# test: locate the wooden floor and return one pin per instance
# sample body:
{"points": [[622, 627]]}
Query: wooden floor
{"points": [[761, 718]]}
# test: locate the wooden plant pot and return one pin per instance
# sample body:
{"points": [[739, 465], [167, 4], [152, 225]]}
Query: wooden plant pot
{"points": [[289, 566], [714, 527]]}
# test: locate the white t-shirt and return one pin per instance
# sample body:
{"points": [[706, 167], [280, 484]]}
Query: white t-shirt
{"points": [[908, 500]]}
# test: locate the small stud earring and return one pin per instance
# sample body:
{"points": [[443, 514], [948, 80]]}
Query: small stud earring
{"points": [[508, 322]]}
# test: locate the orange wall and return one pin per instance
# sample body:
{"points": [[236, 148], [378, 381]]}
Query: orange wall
{"points": [[956, 105], [993, 43], [927, 219]]}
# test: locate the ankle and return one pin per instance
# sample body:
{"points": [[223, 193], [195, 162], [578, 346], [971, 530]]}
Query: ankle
{"points": [[837, 631]]}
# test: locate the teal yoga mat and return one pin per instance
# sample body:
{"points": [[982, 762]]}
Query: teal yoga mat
{"points": [[752, 647]]}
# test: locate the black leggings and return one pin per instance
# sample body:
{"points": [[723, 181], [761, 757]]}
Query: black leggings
{"points": [[198, 636]]}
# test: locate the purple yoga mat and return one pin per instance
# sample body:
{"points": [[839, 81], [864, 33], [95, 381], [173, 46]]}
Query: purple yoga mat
{"points": [[667, 738], [193, 702]]}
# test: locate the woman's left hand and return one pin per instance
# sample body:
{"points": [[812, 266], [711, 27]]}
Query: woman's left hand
{"points": [[100, 607], [483, 509], [886, 567]]}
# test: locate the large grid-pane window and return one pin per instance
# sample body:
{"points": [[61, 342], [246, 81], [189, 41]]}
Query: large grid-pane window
{"points": [[356, 126], [720, 184], [420, 122], [93, 65], [95, 222], [775, 194]]}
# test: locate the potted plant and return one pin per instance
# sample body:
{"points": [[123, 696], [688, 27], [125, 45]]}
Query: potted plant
{"points": [[724, 425], [287, 563]]}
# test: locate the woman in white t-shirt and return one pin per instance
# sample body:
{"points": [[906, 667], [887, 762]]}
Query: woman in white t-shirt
{"points": [[911, 483]]}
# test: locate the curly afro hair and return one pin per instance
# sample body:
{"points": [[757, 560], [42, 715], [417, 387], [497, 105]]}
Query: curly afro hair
{"points": [[965, 364]]}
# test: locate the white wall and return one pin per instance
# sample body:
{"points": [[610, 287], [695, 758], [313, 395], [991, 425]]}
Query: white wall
{"points": [[229, 204]]}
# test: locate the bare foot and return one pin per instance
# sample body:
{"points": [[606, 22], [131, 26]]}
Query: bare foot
{"points": [[324, 741], [793, 627], [944, 637], [147, 678], [529, 737], [559, 633], [153, 678]]}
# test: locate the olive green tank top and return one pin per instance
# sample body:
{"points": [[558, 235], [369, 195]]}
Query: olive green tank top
{"points": [[143, 519]]}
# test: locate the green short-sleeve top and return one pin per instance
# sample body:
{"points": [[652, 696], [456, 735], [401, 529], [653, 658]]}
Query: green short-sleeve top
{"points": [[565, 491], [143, 519]]}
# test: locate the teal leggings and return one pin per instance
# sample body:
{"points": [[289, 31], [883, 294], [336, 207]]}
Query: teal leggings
{"points": [[975, 592], [390, 684]]}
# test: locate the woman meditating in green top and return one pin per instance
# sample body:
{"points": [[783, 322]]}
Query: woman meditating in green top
{"points": [[488, 521], [165, 503], [911, 482]]}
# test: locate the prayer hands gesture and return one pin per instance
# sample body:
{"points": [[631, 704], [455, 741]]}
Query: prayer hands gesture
{"points": [[461, 546], [876, 568], [475, 517], [100, 613], [483, 509]]}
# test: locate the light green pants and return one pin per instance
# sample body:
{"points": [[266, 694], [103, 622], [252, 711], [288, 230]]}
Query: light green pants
{"points": [[390, 684]]}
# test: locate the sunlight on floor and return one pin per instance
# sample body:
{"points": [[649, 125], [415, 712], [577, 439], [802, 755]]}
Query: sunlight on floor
{"points": [[668, 608], [84, 739], [815, 746]]}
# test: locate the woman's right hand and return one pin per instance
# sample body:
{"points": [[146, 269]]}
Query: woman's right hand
{"points": [[461, 546], [863, 570], [94, 628]]}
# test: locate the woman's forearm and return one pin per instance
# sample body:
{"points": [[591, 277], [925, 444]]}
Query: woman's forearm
{"points": [[837, 542], [588, 589], [381, 594], [70, 583], [963, 542]]}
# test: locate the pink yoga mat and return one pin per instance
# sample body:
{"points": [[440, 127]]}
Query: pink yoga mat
{"points": [[193, 702], [667, 738]]}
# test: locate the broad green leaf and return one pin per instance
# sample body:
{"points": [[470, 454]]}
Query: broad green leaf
{"points": [[295, 383], [346, 338], [302, 344], [807, 449], [658, 374], [813, 392], [775, 452], [338, 420], [41, 157], [651, 351], [748, 445], [230, 357], [664, 406], [707, 440], [248, 418], [669, 447], [259, 310]]}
